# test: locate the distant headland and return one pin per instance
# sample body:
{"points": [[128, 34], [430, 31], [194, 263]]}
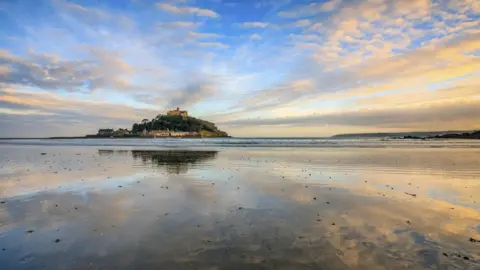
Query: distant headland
{"points": [[414, 135], [176, 123]]}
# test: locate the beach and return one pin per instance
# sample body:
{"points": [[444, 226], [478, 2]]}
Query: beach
{"points": [[239, 204]]}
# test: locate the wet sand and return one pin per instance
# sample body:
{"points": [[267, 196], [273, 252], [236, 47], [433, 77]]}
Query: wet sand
{"points": [[73, 207]]}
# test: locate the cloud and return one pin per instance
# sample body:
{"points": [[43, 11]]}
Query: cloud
{"points": [[4, 70], [311, 9], [302, 23], [90, 16], [196, 87], [192, 94], [4, 104], [316, 27], [456, 115], [218, 45], [279, 95], [463, 90], [465, 6], [254, 24], [178, 24], [413, 9], [103, 62], [52, 114], [53, 103], [378, 28], [185, 10], [197, 35], [299, 39], [65, 124], [270, 3], [94, 15], [420, 62], [195, 91], [356, 82], [325, 56], [49, 72]]}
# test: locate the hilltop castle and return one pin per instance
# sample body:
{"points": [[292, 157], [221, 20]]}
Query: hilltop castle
{"points": [[178, 112]]}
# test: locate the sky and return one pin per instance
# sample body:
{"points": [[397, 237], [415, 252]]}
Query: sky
{"points": [[255, 68]]}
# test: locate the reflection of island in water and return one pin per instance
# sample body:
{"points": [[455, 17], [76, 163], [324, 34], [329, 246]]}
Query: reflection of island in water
{"points": [[174, 161]]}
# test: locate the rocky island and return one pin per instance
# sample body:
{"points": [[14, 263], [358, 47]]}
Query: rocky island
{"points": [[176, 123]]}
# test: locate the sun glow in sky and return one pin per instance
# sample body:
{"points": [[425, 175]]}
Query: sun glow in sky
{"points": [[256, 68]]}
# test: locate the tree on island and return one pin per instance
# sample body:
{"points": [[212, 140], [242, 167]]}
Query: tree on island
{"points": [[178, 123]]}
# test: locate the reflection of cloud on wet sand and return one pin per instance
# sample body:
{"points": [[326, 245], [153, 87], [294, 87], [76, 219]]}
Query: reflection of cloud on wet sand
{"points": [[444, 174], [238, 213], [404, 230], [354, 231], [391, 222], [29, 171]]}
